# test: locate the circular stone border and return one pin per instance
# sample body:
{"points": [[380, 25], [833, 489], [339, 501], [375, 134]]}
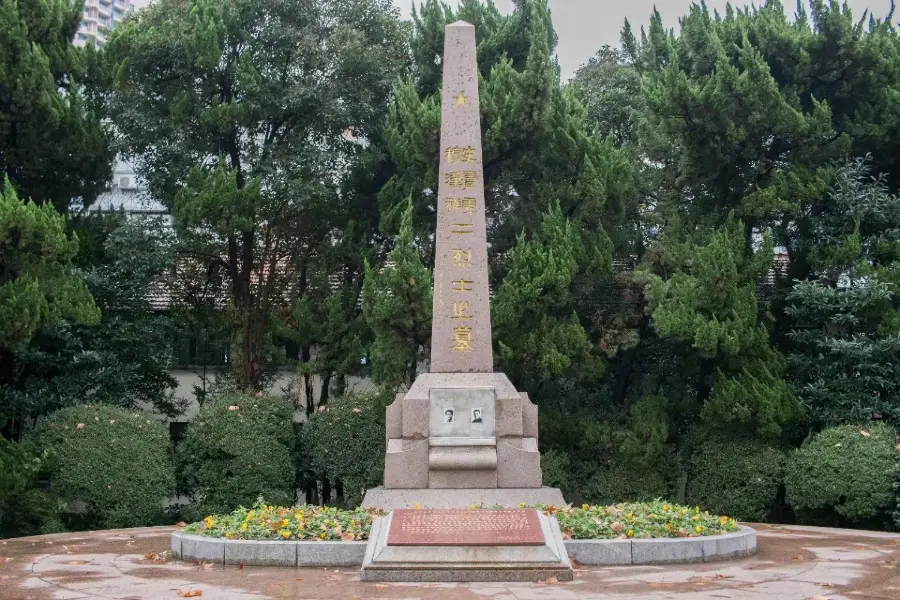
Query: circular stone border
{"points": [[274, 553]]}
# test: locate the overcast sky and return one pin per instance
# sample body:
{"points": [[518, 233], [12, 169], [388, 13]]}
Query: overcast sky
{"points": [[584, 26]]}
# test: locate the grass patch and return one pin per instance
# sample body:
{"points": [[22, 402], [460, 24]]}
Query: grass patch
{"points": [[640, 520]]}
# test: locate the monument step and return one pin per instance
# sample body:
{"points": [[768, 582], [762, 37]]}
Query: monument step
{"points": [[466, 545]]}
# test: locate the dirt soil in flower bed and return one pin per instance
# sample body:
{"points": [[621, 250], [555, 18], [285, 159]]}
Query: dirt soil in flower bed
{"points": [[315, 523]]}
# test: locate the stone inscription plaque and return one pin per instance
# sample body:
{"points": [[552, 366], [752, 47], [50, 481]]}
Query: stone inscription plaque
{"points": [[465, 527]]}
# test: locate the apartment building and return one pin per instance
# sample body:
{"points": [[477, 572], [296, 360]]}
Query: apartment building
{"points": [[99, 18]]}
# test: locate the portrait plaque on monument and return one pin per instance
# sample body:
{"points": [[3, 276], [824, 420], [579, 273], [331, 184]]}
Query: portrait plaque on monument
{"points": [[465, 527]]}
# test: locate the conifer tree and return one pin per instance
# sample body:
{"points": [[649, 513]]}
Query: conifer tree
{"points": [[39, 286], [52, 146], [709, 304], [846, 344], [397, 301]]}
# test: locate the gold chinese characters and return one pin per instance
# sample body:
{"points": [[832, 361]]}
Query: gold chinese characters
{"points": [[457, 154], [462, 339], [462, 257], [462, 228], [460, 309], [461, 179], [462, 285], [466, 205]]}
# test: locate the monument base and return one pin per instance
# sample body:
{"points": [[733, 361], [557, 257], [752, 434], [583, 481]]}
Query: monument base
{"points": [[388, 500], [451, 546]]}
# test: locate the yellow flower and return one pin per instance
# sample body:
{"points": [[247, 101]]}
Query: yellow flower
{"points": [[416, 506], [285, 522], [474, 506], [695, 518], [585, 506], [209, 522], [630, 533], [323, 535], [521, 505], [666, 508], [723, 520], [228, 534], [244, 527], [285, 534], [699, 528]]}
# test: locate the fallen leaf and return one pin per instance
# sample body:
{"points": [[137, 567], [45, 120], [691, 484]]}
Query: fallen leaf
{"points": [[332, 578], [79, 426], [356, 410], [617, 527], [381, 585], [190, 593], [550, 580], [347, 537], [180, 524], [233, 407], [796, 557], [150, 556]]}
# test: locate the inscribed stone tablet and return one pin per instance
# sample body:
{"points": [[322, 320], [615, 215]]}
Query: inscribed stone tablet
{"points": [[465, 527]]}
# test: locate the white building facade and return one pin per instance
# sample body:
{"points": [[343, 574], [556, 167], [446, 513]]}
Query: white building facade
{"points": [[99, 18]]}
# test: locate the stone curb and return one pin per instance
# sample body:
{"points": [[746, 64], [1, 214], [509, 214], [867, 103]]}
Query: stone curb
{"points": [[663, 551], [267, 553], [273, 553]]}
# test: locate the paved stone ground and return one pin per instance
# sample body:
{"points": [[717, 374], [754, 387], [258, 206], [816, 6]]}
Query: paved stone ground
{"points": [[792, 564]]}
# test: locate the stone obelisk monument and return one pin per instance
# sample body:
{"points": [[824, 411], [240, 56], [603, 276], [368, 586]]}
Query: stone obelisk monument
{"points": [[461, 427]]}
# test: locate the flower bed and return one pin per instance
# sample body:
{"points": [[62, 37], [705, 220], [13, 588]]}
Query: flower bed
{"points": [[306, 523], [647, 520], [639, 521]]}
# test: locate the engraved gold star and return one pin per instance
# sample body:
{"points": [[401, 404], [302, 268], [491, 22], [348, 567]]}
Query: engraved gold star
{"points": [[461, 99]]}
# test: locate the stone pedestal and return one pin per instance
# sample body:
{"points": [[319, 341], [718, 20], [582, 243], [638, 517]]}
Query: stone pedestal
{"points": [[471, 432]]}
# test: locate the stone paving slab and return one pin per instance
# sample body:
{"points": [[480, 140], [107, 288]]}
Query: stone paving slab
{"points": [[131, 564]]}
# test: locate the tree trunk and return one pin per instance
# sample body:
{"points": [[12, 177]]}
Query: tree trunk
{"points": [[323, 393]]}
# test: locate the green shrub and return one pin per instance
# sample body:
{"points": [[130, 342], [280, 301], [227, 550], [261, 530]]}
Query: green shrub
{"points": [[237, 449], [118, 463], [345, 443], [18, 470], [620, 483], [32, 512], [844, 471], [556, 468], [739, 478]]}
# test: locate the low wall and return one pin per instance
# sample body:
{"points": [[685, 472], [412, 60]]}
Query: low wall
{"points": [[274, 553]]}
